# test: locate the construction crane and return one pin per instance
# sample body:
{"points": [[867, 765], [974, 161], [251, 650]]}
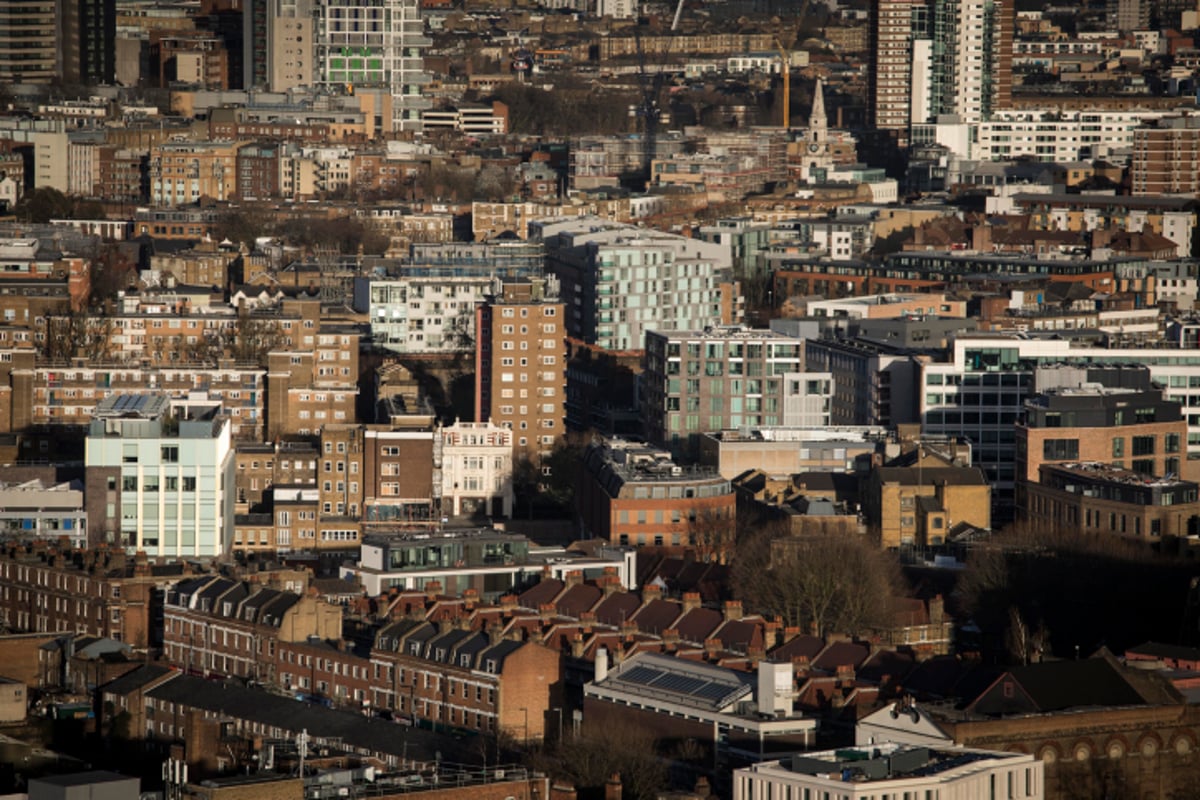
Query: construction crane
{"points": [[648, 110], [785, 66]]}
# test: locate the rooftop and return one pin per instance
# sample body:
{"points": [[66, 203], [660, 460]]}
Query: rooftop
{"points": [[887, 762], [1107, 472]]}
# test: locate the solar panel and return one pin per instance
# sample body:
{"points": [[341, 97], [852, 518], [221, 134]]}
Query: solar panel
{"points": [[643, 675], [679, 683], [714, 691]]}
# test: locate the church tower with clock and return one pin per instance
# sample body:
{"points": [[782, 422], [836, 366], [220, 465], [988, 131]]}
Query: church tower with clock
{"points": [[817, 155]]}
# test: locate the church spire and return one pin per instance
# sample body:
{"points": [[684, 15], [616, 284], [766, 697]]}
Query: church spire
{"points": [[818, 125]]}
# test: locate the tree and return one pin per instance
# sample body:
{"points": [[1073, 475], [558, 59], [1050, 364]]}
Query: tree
{"points": [[591, 759], [78, 334], [111, 271], [44, 204], [823, 583], [712, 534]]}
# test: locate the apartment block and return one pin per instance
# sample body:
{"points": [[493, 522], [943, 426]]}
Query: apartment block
{"points": [[521, 363], [159, 482], [619, 281], [183, 172], [261, 466], [37, 509], [1127, 427], [28, 41], [316, 382], [424, 313], [919, 505], [719, 378], [1165, 157]]}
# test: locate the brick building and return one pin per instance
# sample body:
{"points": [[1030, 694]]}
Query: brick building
{"points": [[218, 626], [1127, 427], [631, 494], [920, 504], [466, 679], [95, 592], [521, 362], [1101, 498]]}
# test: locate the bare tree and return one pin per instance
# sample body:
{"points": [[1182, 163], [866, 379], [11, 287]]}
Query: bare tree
{"points": [[711, 534], [824, 583], [591, 759]]}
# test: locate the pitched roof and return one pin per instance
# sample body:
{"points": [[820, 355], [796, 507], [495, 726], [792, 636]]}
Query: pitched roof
{"points": [[139, 678], [1058, 685]]}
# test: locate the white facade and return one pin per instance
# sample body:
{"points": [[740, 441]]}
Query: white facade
{"points": [[620, 281], [1050, 136], [477, 467], [807, 397], [175, 493], [423, 315], [947, 773], [374, 43]]}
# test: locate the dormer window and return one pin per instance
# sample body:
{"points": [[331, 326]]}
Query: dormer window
{"points": [[491, 665]]}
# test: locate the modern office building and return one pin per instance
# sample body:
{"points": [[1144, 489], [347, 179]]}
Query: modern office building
{"points": [[521, 365], [159, 482], [721, 378]]}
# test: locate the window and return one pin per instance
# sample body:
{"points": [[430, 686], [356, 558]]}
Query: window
{"points": [[1061, 449], [170, 454], [189, 484], [1143, 445], [1118, 447]]}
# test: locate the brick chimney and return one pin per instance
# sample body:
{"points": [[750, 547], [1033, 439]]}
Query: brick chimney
{"points": [[577, 645], [628, 628], [845, 674], [546, 611], [612, 787], [470, 599], [141, 564], [670, 636], [587, 619], [611, 584], [771, 634], [733, 610], [801, 666], [691, 601], [937, 610], [573, 578], [433, 589], [508, 603], [650, 593], [711, 648], [790, 632]]}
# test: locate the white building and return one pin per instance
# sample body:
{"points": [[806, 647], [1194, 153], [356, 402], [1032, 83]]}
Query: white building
{"points": [[477, 469], [620, 281], [1051, 136], [170, 478], [35, 510], [423, 314], [894, 771], [374, 43]]}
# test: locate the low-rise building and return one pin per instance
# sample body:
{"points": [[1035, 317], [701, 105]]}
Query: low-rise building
{"points": [[633, 494], [489, 562], [1100, 498], [893, 770]]}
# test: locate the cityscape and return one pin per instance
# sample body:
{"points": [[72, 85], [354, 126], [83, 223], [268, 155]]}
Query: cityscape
{"points": [[599, 400]]}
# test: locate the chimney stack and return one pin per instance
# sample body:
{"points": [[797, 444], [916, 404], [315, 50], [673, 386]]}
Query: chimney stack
{"points": [[733, 610], [691, 601]]}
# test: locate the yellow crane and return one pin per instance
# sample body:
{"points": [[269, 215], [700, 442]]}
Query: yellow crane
{"points": [[785, 65]]}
